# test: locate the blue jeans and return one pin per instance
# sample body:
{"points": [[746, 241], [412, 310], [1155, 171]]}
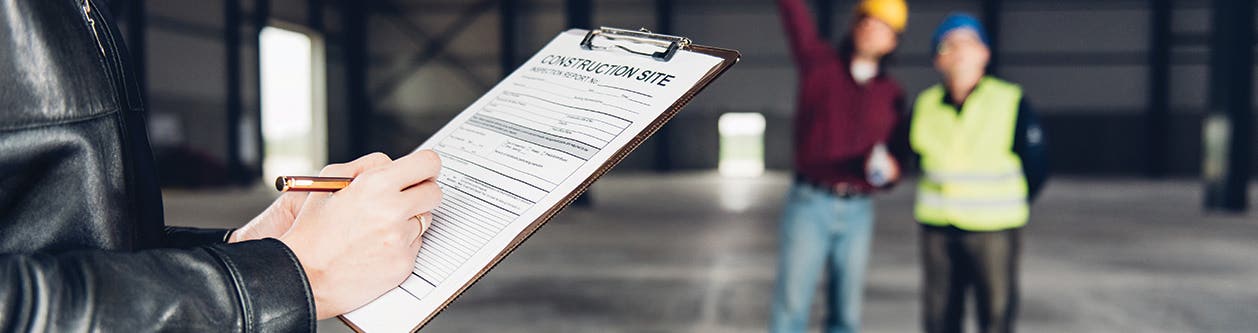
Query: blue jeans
{"points": [[821, 230]]}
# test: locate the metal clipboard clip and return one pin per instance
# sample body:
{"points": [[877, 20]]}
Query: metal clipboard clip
{"points": [[670, 44]]}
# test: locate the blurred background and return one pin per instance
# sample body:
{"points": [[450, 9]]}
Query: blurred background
{"points": [[1147, 105]]}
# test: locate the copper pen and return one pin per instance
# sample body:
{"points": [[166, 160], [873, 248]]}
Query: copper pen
{"points": [[311, 184]]}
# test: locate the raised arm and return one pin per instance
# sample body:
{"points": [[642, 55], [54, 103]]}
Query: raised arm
{"points": [[807, 46]]}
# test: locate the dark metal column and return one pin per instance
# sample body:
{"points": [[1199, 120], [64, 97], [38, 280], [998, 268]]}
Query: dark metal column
{"points": [[314, 16], [1226, 133], [579, 13], [235, 104], [314, 19], [825, 17], [663, 161], [1156, 130], [354, 16], [664, 13], [508, 12], [261, 18], [136, 42], [991, 20]]}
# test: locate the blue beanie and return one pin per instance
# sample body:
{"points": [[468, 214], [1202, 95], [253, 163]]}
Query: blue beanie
{"points": [[956, 21]]}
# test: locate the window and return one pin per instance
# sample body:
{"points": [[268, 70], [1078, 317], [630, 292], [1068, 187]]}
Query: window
{"points": [[293, 112], [742, 144]]}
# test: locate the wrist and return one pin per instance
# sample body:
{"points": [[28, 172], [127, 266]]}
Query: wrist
{"points": [[315, 275], [238, 235]]}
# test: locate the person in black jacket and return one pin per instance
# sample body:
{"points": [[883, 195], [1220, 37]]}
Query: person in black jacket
{"points": [[83, 246]]}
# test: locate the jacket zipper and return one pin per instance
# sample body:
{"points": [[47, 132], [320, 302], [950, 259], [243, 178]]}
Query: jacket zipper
{"points": [[91, 22]]}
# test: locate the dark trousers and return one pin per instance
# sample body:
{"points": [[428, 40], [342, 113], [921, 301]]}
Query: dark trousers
{"points": [[955, 261]]}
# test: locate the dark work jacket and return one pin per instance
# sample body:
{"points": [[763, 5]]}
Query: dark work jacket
{"points": [[83, 246]]}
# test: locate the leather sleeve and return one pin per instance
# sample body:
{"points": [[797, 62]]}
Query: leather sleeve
{"points": [[189, 237], [808, 47], [255, 286], [82, 243]]}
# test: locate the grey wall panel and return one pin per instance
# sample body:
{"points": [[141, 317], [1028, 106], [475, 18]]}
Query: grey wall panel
{"points": [[749, 90], [290, 11], [1103, 89], [437, 88], [196, 12], [1082, 62], [1188, 88], [200, 119], [185, 65], [1088, 30]]}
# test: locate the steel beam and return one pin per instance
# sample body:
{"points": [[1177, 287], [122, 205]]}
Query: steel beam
{"points": [[354, 50], [1228, 125], [579, 13], [508, 12], [991, 21], [433, 46], [314, 16], [1156, 130], [825, 17], [261, 18], [137, 43], [235, 103], [663, 161]]}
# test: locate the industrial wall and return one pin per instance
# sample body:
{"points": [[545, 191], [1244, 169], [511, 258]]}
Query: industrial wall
{"points": [[1084, 65]]}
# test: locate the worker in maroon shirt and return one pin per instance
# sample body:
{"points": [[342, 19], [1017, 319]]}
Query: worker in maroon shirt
{"points": [[848, 110]]}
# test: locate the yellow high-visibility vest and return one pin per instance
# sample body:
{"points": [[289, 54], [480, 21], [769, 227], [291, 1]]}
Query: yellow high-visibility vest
{"points": [[972, 178]]}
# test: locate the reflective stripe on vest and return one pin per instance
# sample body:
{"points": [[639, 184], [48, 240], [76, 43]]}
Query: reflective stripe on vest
{"points": [[973, 180]]}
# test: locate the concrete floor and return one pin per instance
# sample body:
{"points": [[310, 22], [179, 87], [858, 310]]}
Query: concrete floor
{"points": [[696, 253]]}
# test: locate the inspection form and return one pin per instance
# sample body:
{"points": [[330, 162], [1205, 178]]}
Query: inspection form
{"points": [[518, 151]]}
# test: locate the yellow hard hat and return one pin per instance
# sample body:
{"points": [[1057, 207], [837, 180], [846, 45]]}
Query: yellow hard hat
{"points": [[894, 13]]}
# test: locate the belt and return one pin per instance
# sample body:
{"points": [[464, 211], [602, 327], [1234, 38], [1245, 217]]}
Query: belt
{"points": [[842, 190]]}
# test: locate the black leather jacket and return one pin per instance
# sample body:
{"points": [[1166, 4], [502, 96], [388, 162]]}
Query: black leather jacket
{"points": [[82, 243]]}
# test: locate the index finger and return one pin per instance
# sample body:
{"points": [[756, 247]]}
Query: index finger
{"points": [[352, 169], [356, 167], [411, 169]]}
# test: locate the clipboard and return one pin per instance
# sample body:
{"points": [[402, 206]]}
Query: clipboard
{"points": [[637, 42]]}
